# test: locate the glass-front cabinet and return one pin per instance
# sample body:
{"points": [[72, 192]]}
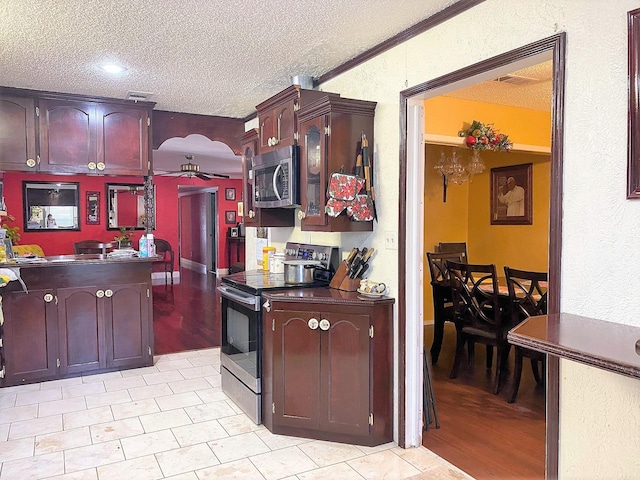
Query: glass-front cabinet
{"points": [[313, 176]]}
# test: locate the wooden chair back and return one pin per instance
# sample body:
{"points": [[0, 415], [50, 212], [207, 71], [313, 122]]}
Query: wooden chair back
{"points": [[164, 250], [92, 247], [438, 265], [449, 247], [527, 293]]}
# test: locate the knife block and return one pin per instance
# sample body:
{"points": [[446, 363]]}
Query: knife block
{"points": [[341, 280]]}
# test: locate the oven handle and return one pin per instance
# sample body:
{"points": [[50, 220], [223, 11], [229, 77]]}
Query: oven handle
{"points": [[247, 300]]}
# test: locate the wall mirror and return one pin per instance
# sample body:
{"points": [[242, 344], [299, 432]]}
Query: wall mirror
{"points": [[126, 206], [51, 206]]}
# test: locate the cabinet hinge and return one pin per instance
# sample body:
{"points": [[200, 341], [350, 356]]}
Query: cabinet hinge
{"points": [[58, 362], [148, 122], [2, 372], [0, 343], [148, 293], [38, 159], [37, 111], [371, 419], [149, 351], [273, 324], [273, 407], [327, 130], [296, 136], [371, 331], [55, 297]]}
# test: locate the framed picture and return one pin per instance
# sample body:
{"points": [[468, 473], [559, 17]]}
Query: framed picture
{"points": [[511, 195], [240, 209], [230, 194], [93, 208], [230, 217]]}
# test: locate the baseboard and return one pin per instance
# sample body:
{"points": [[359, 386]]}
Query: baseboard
{"points": [[158, 278]]}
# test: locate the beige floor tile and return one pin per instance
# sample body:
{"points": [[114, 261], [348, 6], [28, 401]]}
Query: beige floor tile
{"points": [[214, 380], [138, 372], [16, 414], [134, 409], [238, 424], [107, 398], [377, 448], [186, 354], [37, 426], [199, 433], [7, 400], [190, 385], [239, 446], [339, 470], [149, 444], [101, 377], [65, 405], [150, 391], [383, 465], [62, 382], [198, 372], [209, 411], [186, 459], [205, 360], [16, 449], [165, 365], [106, 432], [178, 400], [92, 456], [162, 377], [87, 417], [184, 476], [163, 420], [83, 389], [89, 474], [328, 453], [4, 431], [212, 394], [34, 468], [441, 472], [143, 468], [420, 457], [124, 383], [239, 470], [29, 398], [59, 441], [276, 442], [32, 387], [278, 464]]}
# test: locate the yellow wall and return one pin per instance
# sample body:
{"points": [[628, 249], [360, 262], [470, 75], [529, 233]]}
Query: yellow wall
{"points": [[465, 215]]}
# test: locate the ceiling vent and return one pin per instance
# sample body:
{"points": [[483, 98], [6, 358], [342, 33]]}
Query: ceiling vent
{"points": [[516, 79], [139, 96]]}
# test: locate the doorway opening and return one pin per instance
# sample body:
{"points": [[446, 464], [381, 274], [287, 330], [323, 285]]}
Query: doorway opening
{"points": [[198, 228]]}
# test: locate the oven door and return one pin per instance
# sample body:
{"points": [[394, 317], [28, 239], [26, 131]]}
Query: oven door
{"points": [[241, 348]]}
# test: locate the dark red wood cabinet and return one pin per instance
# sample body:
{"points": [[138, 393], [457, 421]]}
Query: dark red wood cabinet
{"points": [[17, 133], [328, 369], [76, 320]]}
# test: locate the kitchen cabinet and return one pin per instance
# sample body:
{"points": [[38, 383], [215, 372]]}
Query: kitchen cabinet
{"points": [[253, 216], [81, 318], [327, 371], [17, 133], [330, 140]]}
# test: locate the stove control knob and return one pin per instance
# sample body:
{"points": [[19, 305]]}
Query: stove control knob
{"points": [[313, 323]]}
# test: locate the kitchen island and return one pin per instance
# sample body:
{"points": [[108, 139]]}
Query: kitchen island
{"points": [[328, 365], [74, 315]]}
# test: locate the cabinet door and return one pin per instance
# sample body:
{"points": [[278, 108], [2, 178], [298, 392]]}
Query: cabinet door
{"points": [[345, 374], [313, 176], [267, 131], [251, 214], [67, 136], [296, 370], [81, 325], [29, 337], [127, 325], [285, 125], [17, 134], [123, 140]]}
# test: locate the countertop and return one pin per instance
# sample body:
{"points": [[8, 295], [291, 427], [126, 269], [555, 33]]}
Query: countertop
{"points": [[84, 259], [324, 295], [606, 345]]}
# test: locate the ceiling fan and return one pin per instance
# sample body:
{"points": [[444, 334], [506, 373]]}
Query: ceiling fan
{"points": [[193, 170]]}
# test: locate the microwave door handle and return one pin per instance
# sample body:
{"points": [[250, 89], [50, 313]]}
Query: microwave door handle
{"points": [[276, 172]]}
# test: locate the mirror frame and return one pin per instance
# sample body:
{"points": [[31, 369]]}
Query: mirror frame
{"points": [[74, 186], [633, 143], [140, 187]]}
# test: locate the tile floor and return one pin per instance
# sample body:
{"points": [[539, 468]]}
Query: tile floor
{"points": [[173, 421]]}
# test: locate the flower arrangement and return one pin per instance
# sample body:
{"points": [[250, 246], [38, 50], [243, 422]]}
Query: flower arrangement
{"points": [[124, 237], [480, 136], [13, 233]]}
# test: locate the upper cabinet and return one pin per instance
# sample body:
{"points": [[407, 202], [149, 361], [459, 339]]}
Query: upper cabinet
{"points": [[17, 133], [76, 134], [331, 132]]}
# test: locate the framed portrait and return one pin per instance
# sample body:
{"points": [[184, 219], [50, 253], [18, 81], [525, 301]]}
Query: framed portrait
{"points": [[230, 217], [93, 208], [230, 194], [512, 195]]}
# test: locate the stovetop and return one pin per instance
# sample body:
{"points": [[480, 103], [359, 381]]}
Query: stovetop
{"points": [[256, 281]]}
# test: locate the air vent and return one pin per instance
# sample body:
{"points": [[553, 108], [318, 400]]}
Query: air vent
{"points": [[516, 79], [139, 96]]}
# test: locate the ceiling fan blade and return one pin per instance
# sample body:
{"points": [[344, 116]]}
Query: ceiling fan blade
{"points": [[218, 175], [203, 176]]}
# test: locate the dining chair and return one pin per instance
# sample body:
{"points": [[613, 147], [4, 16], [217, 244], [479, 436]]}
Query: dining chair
{"points": [[165, 252], [92, 246], [442, 301], [454, 247], [527, 298], [478, 315]]}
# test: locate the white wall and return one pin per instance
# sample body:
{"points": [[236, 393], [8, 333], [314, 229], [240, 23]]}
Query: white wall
{"points": [[599, 411]]}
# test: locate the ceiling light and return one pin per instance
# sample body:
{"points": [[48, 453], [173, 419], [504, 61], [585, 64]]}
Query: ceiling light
{"points": [[112, 68]]}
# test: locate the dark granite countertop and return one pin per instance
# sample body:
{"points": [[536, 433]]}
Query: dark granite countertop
{"points": [[84, 259]]}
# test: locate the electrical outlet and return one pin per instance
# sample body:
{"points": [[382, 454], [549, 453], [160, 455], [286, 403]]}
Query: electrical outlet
{"points": [[391, 240]]}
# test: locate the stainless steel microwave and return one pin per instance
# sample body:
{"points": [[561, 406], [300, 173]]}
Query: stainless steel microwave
{"points": [[276, 177]]}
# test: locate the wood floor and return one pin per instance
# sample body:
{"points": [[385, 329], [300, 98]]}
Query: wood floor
{"points": [[480, 432]]}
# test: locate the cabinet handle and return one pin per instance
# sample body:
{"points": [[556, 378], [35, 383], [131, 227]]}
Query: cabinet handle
{"points": [[301, 215], [91, 165], [100, 293], [31, 163], [252, 214], [269, 141], [48, 297], [101, 166], [108, 293], [313, 323], [325, 324]]}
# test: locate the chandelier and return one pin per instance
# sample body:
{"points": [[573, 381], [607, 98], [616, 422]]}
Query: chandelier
{"points": [[452, 169]]}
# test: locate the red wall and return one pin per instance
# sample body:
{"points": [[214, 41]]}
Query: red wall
{"points": [[61, 242]]}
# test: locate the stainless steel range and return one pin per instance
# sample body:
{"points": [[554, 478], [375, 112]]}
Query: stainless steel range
{"points": [[241, 350]]}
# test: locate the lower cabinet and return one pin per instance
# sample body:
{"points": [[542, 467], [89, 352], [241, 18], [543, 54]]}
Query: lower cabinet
{"points": [[330, 371]]}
